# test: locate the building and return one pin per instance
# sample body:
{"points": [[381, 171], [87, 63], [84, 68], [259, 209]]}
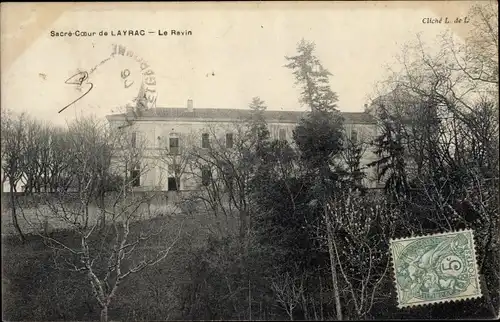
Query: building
{"points": [[168, 131]]}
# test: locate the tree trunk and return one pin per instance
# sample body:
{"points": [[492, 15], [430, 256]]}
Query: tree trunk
{"points": [[243, 224], [333, 268], [338, 307], [104, 314], [304, 305], [249, 300], [14, 214], [102, 205], [486, 294], [320, 299]]}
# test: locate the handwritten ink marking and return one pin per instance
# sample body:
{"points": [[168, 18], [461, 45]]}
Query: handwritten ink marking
{"points": [[147, 95], [101, 63], [78, 80]]}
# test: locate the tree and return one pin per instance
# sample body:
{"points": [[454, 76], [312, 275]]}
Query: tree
{"points": [[222, 169], [127, 244], [360, 229], [319, 135], [222, 173], [257, 126], [289, 292], [100, 149], [477, 58], [352, 154], [176, 157], [313, 78], [32, 152], [390, 150], [57, 164], [440, 139], [13, 144]]}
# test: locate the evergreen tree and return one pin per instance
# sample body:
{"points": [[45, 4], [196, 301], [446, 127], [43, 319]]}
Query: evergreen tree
{"points": [[353, 153], [313, 78], [319, 134], [389, 149], [319, 137], [258, 131]]}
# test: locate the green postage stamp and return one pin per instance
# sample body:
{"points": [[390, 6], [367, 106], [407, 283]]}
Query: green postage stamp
{"points": [[435, 268]]}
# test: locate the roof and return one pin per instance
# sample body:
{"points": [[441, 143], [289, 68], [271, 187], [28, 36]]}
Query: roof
{"points": [[399, 94], [181, 113]]}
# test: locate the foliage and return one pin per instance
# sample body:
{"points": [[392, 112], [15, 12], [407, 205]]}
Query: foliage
{"points": [[313, 242], [313, 78]]}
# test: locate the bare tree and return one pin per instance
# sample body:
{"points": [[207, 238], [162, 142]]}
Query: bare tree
{"points": [[13, 145], [358, 234], [222, 173], [459, 74], [176, 158], [127, 244], [477, 58], [289, 291], [445, 107]]}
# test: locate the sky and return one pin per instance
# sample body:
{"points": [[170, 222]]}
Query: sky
{"points": [[233, 54]]}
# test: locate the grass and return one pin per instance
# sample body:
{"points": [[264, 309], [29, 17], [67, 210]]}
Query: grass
{"points": [[34, 289]]}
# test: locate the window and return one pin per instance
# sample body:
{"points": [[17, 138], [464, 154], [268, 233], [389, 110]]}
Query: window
{"points": [[172, 184], [173, 146], [229, 140], [206, 175], [134, 139], [135, 176], [174, 173], [204, 141], [282, 134]]}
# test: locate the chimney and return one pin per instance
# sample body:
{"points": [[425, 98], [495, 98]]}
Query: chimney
{"points": [[190, 105]]}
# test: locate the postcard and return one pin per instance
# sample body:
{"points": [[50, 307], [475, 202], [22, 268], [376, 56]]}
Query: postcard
{"points": [[312, 160]]}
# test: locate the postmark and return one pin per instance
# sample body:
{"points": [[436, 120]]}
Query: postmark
{"points": [[435, 268], [147, 94], [132, 78]]}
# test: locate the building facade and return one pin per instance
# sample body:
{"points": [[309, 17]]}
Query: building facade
{"points": [[164, 134]]}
